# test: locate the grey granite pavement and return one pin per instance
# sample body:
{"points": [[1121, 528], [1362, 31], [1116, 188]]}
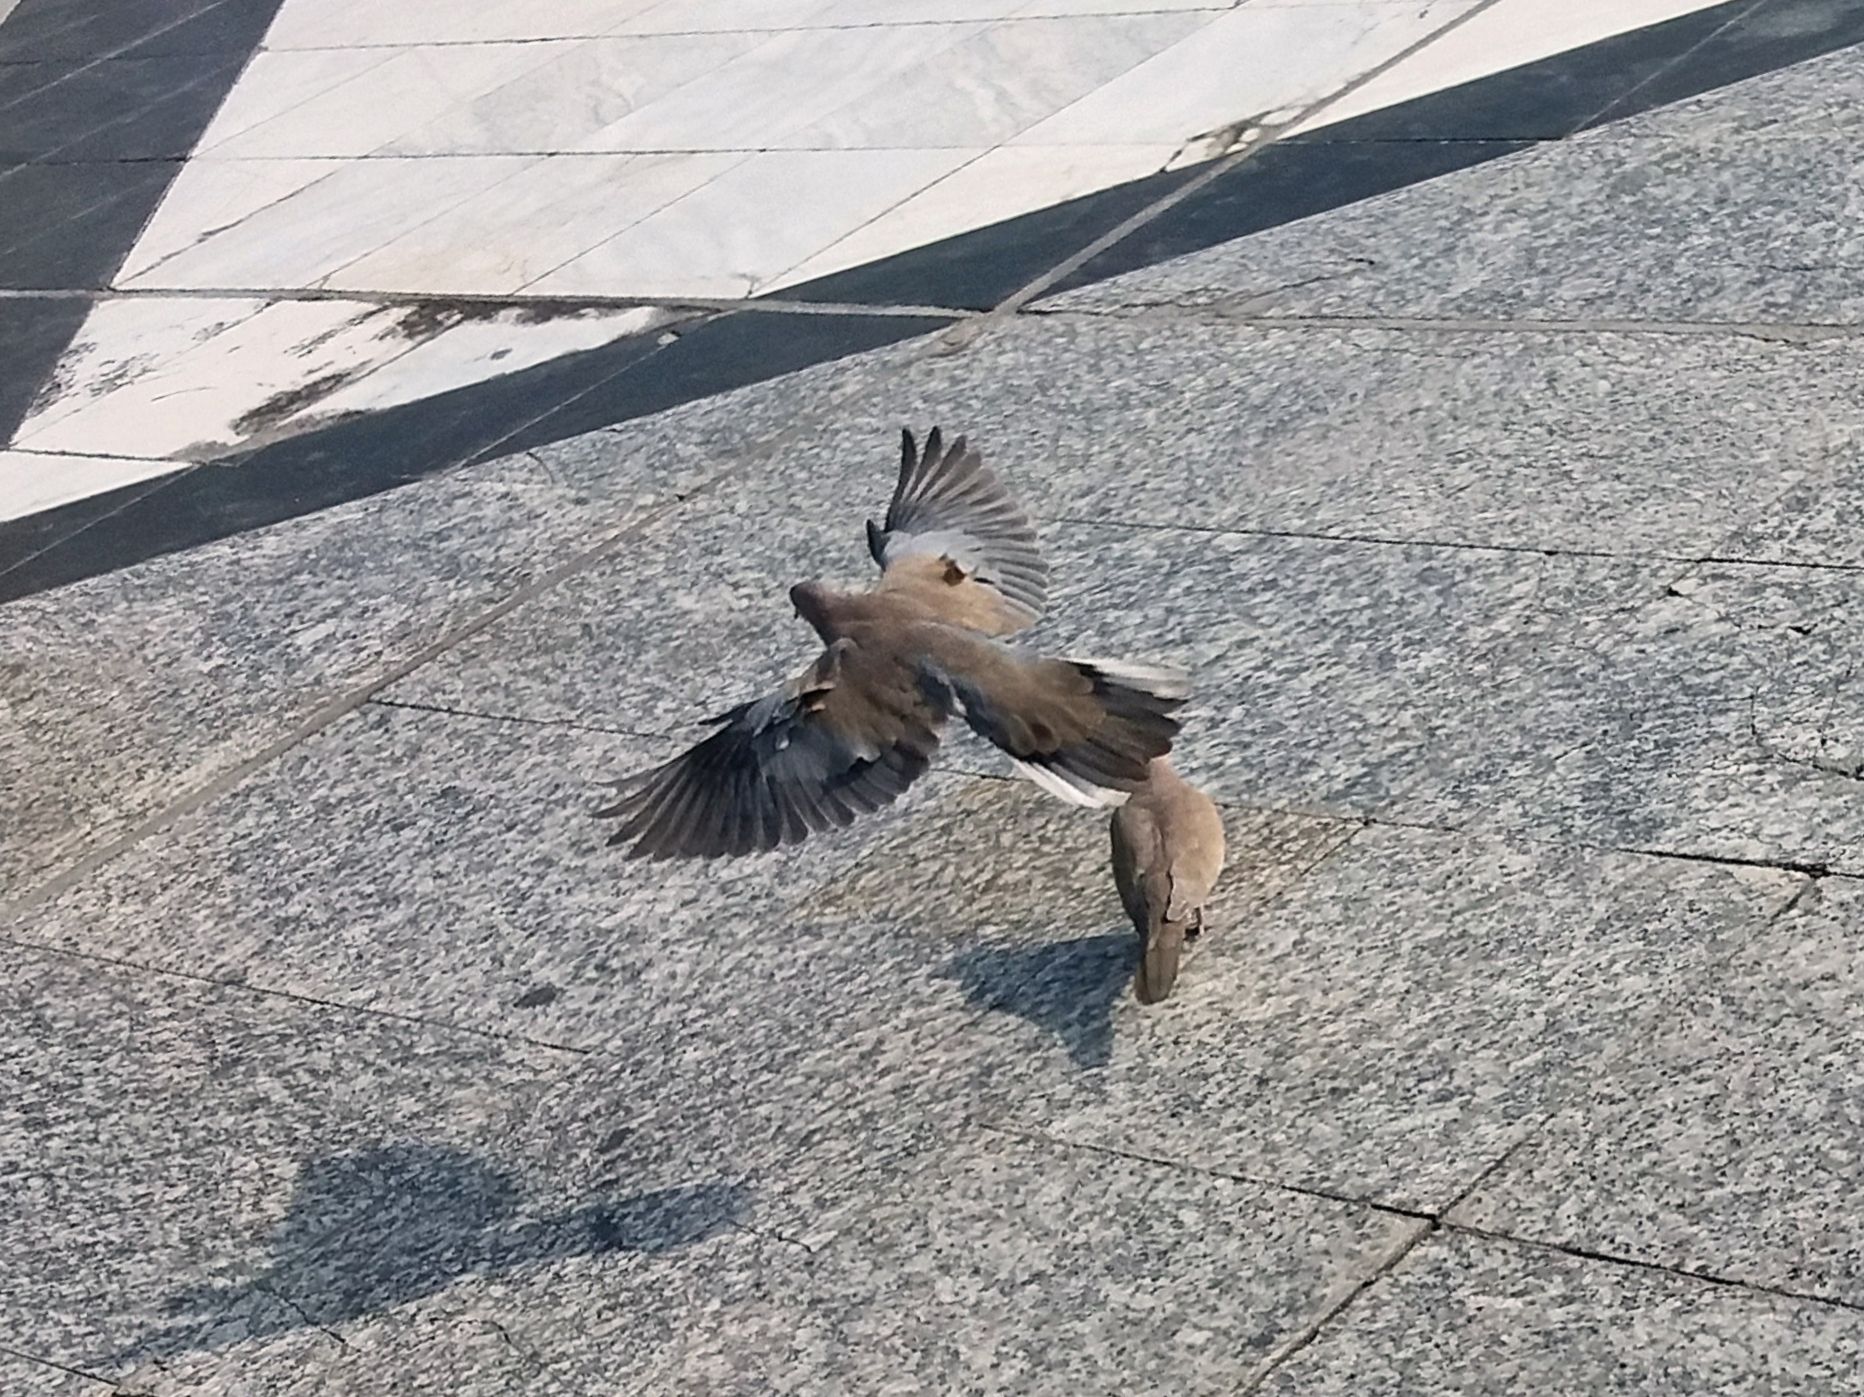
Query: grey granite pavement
{"points": [[342, 1056]]}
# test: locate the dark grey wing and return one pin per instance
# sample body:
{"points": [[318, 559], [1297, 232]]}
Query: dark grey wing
{"points": [[807, 758], [953, 530]]}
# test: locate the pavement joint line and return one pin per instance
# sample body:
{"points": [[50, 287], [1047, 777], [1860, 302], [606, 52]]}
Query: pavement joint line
{"points": [[576, 725], [15, 911], [1259, 134], [1216, 6], [247, 987], [1794, 334], [135, 497], [1331, 1309], [1714, 1278], [1692, 560], [113, 1387], [517, 300], [1734, 21]]}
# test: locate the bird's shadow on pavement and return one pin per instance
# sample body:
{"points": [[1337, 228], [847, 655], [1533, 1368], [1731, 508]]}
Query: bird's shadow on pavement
{"points": [[1066, 988], [372, 1229]]}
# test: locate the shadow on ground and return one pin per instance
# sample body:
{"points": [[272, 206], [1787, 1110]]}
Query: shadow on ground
{"points": [[1065, 988], [370, 1230]]}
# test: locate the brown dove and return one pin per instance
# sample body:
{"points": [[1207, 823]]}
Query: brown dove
{"points": [[1167, 853], [959, 569]]}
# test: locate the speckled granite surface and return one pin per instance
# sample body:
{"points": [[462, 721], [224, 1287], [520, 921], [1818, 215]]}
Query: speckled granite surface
{"points": [[1516, 1058]]}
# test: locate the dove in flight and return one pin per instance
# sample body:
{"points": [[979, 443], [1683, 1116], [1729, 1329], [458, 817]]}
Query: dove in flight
{"points": [[1167, 853], [959, 570]]}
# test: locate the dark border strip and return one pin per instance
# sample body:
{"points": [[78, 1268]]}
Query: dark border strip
{"points": [[378, 451], [1353, 160]]}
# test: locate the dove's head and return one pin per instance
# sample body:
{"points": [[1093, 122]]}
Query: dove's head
{"points": [[811, 600]]}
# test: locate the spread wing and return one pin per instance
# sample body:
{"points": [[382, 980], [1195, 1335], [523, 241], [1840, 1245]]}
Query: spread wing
{"points": [[846, 736], [956, 539]]}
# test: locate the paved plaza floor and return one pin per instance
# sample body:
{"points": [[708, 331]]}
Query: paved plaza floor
{"points": [[407, 433]]}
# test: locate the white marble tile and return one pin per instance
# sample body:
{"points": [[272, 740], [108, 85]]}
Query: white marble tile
{"points": [[475, 351], [211, 197], [219, 393], [1246, 64], [588, 87], [275, 83], [345, 23], [1112, 7], [995, 83], [712, 244], [1509, 34], [361, 206], [1005, 182], [34, 480], [390, 99], [857, 12], [529, 225], [121, 340], [780, 86], [708, 16]]}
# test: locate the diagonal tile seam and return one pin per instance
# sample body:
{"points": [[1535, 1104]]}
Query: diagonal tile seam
{"points": [[1792, 334], [512, 300], [108, 1387], [1734, 21], [133, 496], [1692, 559], [14, 911], [248, 988], [1253, 134]]}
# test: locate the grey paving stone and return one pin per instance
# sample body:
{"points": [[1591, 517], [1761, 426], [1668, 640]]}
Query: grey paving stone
{"points": [[20, 1373], [174, 1150], [1720, 720], [992, 1265], [124, 691], [1731, 207], [119, 692], [1464, 1317], [1381, 1017], [1729, 1145], [1328, 674]]}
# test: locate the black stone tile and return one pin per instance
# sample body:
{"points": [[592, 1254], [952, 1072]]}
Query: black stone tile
{"points": [[230, 27], [1766, 36], [34, 331], [163, 130], [76, 246], [716, 356], [22, 541], [977, 270], [1279, 184], [314, 470], [127, 94], [1548, 99], [19, 81], [93, 30], [379, 451]]}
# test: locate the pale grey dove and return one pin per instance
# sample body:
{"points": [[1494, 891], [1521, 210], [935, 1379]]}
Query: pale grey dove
{"points": [[1167, 853], [959, 568]]}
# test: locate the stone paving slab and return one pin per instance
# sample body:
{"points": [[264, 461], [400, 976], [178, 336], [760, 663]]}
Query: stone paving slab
{"points": [[1377, 1017], [123, 691], [994, 1265], [1734, 207], [1729, 1145], [1719, 720], [1476, 1318]]}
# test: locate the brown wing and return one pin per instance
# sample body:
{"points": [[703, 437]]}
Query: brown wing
{"points": [[1084, 730], [845, 737], [957, 541]]}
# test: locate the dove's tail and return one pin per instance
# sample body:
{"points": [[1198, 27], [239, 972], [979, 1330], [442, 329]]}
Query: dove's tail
{"points": [[1085, 731], [1101, 766]]}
